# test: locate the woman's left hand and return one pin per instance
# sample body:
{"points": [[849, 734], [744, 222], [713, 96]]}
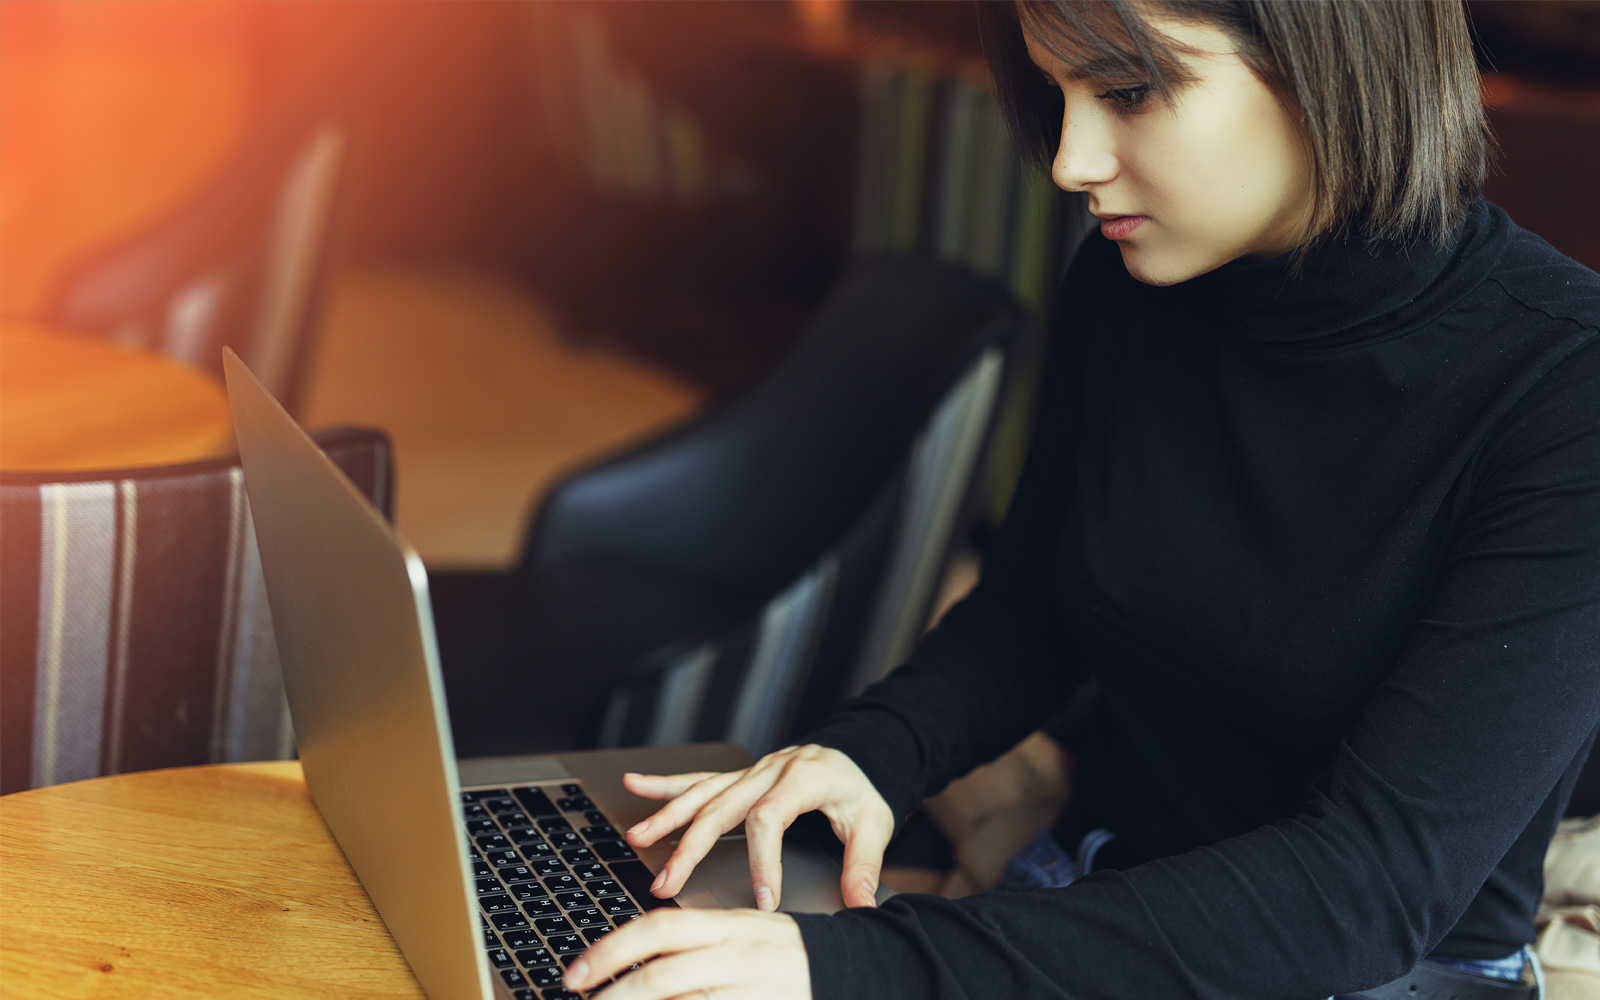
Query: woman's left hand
{"points": [[724, 954]]}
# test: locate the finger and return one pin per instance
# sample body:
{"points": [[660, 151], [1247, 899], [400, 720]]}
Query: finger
{"points": [[863, 859], [657, 933], [690, 972], [724, 812], [662, 786], [680, 810], [764, 826]]}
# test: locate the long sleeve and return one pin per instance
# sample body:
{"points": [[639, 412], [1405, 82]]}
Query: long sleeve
{"points": [[1331, 544], [1496, 691]]}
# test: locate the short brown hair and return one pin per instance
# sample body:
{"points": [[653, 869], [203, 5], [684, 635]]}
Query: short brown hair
{"points": [[1387, 92]]}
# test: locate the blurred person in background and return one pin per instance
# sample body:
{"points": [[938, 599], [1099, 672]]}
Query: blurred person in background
{"points": [[1314, 498]]}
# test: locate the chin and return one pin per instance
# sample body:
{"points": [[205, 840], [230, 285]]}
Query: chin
{"points": [[1152, 269]]}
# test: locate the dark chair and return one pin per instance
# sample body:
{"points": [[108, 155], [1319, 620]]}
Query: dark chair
{"points": [[240, 265], [134, 630], [734, 577]]}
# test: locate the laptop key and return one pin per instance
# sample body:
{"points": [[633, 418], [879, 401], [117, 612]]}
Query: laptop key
{"points": [[614, 850], [565, 838], [596, 818], [517, 940], [481, 870], [636, 878], [577, 855], [481, 826], [536, 802], [590, 872], [487, 886], [473, 811], [531, 957], [571, 789], [499, 959], [548, 866], [499, 804], [493, 842], [524, 891], [603, 886], [502, 858], [524, 995], [496, 904], [594, 934], [514, 818], [513, 977], [512, 921], [537, 850], [566, 944], [484, 793], [489, 940], [546, 907], [545, 975], [561, 883], [584, 919], [574, 901], [515, 873], [559, 995], [553, 925], [604, 831], [525, 835], [618, 905], [577, 803], [554, 823]]}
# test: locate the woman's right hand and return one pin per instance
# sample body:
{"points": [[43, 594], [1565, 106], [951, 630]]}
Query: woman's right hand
{"points": [[766, 797]]}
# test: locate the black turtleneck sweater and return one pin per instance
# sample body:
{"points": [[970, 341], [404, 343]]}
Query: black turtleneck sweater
{"points": [[1330, 544]]}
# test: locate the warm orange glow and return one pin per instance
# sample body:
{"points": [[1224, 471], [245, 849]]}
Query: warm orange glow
{"points": [[111, 113]]}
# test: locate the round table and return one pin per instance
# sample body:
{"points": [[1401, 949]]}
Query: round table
{"points": [[191, 882], [70, 401]]}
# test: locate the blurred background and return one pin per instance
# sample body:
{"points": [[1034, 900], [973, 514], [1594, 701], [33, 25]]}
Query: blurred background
{"points": [[520, 237], [560, 226]]}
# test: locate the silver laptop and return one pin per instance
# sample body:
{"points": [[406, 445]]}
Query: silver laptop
{"points": [[490, 874]]}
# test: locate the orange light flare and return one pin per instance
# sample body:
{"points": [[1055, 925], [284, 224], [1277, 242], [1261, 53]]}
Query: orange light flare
{"points": [[111, 113]]}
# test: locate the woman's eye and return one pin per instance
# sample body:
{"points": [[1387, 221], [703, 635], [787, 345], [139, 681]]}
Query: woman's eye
{"points": [[1126, 98]]}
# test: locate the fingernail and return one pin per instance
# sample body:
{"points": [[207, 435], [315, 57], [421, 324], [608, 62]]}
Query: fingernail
{"points": [[577, 972], [635, 828], [660, 881], [871, 892], [763, 898]]}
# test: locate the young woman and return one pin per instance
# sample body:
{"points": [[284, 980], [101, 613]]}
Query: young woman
{"points": [[1314, 497]]}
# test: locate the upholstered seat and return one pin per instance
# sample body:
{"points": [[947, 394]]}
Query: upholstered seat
{"points": [[134, 629]]}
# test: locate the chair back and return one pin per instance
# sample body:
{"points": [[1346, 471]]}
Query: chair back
{"points": [[685, 588], [134, 629], [241, 265]]}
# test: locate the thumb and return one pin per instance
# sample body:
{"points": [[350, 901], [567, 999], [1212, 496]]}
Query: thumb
{"points": [[863, 860]]}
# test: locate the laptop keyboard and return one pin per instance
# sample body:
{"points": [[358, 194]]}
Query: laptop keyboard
{"points": [[553, 875]]}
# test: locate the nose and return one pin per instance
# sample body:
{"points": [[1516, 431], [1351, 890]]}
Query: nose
{"points": [[1087, 152]]}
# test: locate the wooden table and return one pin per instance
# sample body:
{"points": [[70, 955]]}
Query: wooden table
{"points": [[193, 882], [222, 880], [70, 401]]}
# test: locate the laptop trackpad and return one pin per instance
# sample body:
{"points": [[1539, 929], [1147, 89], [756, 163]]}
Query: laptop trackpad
{"points": [[722, 880]]}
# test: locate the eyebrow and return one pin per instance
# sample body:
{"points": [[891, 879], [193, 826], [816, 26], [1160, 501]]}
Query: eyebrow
{"points": [[1100, 66]]}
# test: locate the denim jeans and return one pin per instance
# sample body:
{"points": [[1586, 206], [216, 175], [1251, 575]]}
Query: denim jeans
{"points": [[1044, 864]]}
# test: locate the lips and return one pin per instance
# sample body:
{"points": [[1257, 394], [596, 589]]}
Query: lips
{"points": [[1120, 227]]}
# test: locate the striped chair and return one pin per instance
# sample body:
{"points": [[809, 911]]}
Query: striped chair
{"points": [[134, 630]]}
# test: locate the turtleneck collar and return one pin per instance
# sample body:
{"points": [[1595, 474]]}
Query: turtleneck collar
{"points": [[1345, 294]]}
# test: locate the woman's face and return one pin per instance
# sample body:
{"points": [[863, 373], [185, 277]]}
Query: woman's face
{"points": [[1220, 173]]}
